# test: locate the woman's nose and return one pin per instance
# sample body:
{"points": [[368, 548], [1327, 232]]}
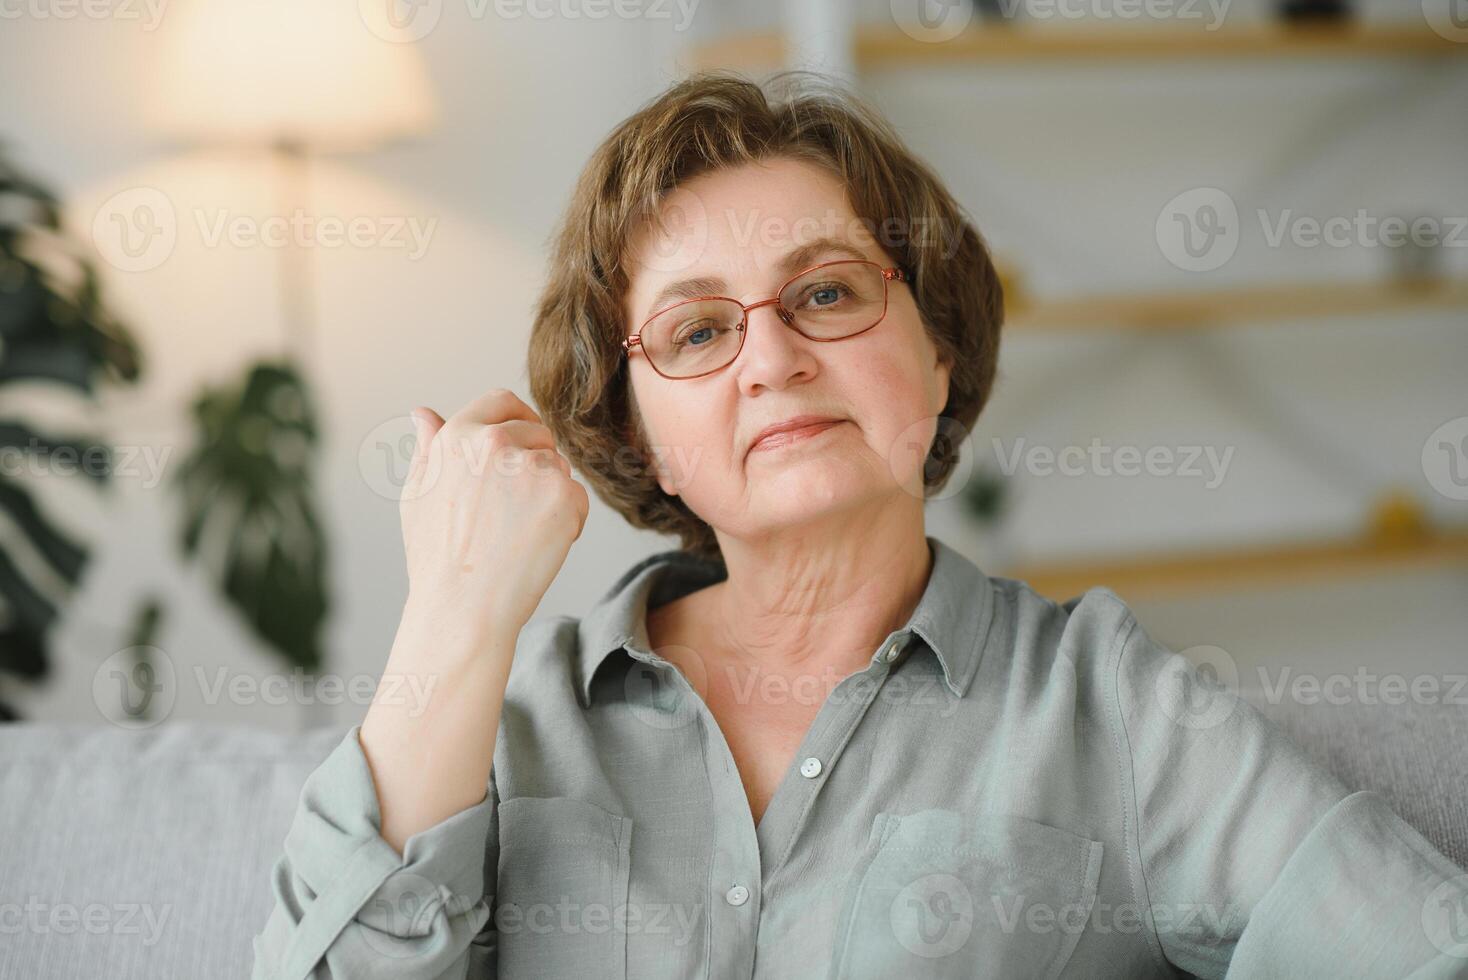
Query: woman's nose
{"points": [[773, 351], [770, 304], [768, 322]]}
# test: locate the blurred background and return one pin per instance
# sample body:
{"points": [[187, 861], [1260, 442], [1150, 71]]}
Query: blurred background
{"points": [[240, 240]]}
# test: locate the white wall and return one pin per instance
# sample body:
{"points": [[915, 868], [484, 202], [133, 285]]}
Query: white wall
{"points": [[1065, 169]]}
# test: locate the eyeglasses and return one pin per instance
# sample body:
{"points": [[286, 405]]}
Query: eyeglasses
{"points": [[830, 301]]}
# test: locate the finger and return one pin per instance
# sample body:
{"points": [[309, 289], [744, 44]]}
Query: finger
{"points": [[495, 405], [547, 461], [426, 422], [526, 435], [583, 506]]}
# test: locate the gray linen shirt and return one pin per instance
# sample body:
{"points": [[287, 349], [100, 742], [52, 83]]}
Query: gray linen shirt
{"points": [[1012, 787]]}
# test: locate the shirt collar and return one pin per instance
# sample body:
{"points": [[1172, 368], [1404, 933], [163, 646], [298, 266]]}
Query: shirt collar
{"points": [[952, 617]]}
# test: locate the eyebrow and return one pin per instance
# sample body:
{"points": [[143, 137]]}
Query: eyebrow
{"points": [[794, 261]]}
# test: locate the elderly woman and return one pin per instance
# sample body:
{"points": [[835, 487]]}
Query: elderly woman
{"points": [[813, 741]]}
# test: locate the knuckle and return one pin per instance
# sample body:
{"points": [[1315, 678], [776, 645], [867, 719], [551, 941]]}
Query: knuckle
{"points": [[493, 437], [501, 396]]}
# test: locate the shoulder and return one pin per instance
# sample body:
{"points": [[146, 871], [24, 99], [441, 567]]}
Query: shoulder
{"points": [[1087, 631]]}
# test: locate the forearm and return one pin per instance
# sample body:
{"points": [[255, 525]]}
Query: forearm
{"points": [[429, 735]]}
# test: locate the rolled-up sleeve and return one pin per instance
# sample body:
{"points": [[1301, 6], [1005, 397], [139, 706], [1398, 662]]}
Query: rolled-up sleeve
{"points": [[347, 905], [1257, 862]]}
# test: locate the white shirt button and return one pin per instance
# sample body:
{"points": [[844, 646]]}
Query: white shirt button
{"points": [[892, 650], [810, 768], [737, 895]]}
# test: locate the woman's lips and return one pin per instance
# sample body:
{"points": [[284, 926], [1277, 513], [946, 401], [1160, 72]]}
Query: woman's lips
{"points": [[778, 440]]}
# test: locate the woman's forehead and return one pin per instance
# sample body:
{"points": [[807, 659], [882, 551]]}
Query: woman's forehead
{"points": [[728, 229], [748, 207]]}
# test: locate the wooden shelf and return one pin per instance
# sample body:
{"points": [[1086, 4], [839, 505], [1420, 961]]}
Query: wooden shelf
{"points": [[879, 47], [1203, 308], [1180, 574]]}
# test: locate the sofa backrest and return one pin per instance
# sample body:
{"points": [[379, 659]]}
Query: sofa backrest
{"points": [[163, 839]]}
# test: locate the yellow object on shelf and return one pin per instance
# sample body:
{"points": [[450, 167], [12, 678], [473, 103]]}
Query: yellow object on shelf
{"points": [[1398, 516], [1011, 281]]}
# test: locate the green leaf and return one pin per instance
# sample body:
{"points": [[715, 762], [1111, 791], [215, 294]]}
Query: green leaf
{"points": [[87, 456], [247, 483], [54, 329]]}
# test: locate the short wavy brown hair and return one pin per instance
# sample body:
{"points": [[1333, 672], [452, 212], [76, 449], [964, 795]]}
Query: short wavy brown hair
{"points": [[706, 122]]}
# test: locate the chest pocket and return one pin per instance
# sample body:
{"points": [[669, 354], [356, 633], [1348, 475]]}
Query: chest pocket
{"points": [[561, 889], [941, 894]]}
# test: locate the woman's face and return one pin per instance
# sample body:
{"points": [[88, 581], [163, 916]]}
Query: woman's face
{"points": [[740, 227]]}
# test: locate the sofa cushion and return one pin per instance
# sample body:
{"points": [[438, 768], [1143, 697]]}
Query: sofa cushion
{"points": [[1415, 755], [156, 845], [143, 854]]}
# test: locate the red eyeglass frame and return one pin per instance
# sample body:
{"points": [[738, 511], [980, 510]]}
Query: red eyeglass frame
{"points": [[896, 273]]}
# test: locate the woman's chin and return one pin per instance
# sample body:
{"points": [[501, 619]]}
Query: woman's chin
{"points": [[812, 490]]}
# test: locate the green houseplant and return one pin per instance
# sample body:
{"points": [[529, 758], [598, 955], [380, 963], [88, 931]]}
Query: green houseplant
{"points": [[55, 331], [248, 507]]}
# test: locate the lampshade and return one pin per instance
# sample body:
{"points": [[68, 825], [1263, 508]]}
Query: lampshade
{"points": [[267, 71]]}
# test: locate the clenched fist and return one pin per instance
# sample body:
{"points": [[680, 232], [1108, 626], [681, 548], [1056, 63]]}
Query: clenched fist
{"points": [[489, 510]]}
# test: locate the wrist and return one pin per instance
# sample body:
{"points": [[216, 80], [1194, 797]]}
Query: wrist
{"points": [[454, 630]]}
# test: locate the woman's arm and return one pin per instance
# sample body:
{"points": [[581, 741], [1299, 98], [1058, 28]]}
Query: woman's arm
{"points": [[432, 760], [390, 860], [385, 862], [348, 904], [489, 513], [1254, 860]]}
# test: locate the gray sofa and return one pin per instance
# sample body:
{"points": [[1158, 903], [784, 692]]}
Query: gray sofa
{"points": [[130, 855]]}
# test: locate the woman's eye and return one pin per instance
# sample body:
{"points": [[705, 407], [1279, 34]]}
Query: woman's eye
{"points": [[697, 336], [826, 294]]}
